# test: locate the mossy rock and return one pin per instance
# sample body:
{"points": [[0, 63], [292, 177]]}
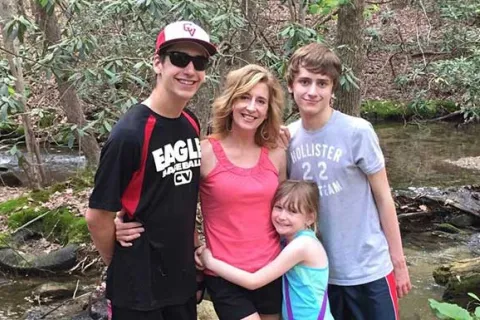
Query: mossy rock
{"points": [[383, 110], [23, 216], [426, 109], [41, 195], [60, 224], [13, 205], [395, 110], [447, 227], [460, 278], [79, 182], [82, 180], [65, 226], [4, 239]]}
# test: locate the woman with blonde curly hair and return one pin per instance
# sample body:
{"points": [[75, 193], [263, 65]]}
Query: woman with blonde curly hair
{"points": [[238, 83], [240, 172], [241, 168]]}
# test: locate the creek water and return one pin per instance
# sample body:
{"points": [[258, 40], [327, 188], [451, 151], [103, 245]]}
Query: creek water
{"points": [[415, 157]]}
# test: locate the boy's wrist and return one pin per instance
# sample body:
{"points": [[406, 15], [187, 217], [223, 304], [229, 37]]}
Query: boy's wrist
{"points": [[399, 261]]}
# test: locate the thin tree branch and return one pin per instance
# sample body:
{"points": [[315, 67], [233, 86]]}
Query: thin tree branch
{"points": [[28, 59], [322, 20], [380, 3], [31, 221]]}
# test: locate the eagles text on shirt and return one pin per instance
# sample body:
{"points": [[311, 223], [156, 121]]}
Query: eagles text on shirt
{"points": [[178, 159]]}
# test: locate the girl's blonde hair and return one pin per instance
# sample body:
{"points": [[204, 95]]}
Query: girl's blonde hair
{"points": [[299, 196], [239, 82]]}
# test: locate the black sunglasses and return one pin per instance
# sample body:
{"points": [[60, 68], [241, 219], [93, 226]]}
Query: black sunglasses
{"points": [[181, 60]]}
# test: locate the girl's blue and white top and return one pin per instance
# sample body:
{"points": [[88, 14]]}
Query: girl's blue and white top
{"points": [[305, 291]]}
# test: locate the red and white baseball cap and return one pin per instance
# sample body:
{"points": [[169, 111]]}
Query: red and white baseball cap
{"points": [[181, 31]]}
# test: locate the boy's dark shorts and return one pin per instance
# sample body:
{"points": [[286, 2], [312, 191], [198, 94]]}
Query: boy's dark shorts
{"points": [[232, 302], [186, 311], [376, 300]]}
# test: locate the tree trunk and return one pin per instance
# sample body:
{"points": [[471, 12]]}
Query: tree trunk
{"points": [[32, 163], [21, 8], [246, 35], [350, 29], [69, 99], [302, 8], [460, 278]]}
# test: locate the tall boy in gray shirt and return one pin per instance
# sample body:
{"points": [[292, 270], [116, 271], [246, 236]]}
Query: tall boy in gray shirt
{"points": [[357, 218]]}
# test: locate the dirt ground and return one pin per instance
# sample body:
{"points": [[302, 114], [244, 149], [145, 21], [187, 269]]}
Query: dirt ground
{"points": [[7, 193]]}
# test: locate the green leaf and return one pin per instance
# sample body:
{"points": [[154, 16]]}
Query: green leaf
{"points": [[13, 151], [4, 112], [109, 73], [107, 126], [71, 140], [445, 310], [137, 80], [314, 9], [474, 296], [138, 65]]}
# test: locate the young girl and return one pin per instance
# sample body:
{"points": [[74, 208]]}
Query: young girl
{"points": [[303, 261]]}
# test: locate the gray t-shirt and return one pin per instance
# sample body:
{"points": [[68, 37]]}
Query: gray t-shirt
{"points": [[339, 157]]}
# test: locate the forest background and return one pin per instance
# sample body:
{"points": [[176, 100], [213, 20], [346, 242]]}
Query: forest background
{"points": [[70, 69]]}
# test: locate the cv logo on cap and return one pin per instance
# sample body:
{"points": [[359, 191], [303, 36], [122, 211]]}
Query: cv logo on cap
{"points": [[189, 28]]}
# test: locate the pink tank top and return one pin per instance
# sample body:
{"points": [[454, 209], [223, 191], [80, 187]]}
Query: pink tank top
{"points": [[236, 205]]}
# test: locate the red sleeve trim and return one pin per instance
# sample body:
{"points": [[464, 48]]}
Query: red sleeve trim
{"points": [[192, 122], [131, 196]]}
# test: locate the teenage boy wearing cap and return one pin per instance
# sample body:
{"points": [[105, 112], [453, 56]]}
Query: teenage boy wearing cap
{"points": [[150, 168]]}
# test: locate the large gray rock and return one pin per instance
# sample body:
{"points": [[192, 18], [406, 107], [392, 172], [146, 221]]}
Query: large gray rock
{"points": [[8, 178], [59, 260], [54, 290], [98, 306], [462, 220]]}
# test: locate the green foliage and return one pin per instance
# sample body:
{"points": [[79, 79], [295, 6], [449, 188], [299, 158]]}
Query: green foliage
{"points": [[460, 10], [383, 109], [8, 103], [394, 110], [64, 226], [105, 52], [17, 27], [462, 72], [59, 224], [325, 7], [24, 215], [296, 35], [458, 73], [424, 109], [12, 205], [443, 310]]}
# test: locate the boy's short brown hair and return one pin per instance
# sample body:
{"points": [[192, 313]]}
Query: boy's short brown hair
{"points": [[316, 58]]}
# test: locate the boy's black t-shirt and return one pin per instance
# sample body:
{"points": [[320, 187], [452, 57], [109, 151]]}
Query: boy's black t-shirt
{"points": [[150, 167]]}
